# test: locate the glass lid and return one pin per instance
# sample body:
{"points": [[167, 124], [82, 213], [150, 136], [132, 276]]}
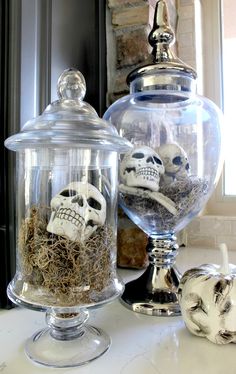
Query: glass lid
{"points": [[69, 122]]}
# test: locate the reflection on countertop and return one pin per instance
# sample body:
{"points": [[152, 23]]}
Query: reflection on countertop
{"points": [[140, 344]]}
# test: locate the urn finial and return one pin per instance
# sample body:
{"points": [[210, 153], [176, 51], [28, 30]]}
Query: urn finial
{"points": [[166, 71], [161, 36]]}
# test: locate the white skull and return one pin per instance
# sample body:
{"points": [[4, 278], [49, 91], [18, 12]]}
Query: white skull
{"points": [[175, 161], [77, 211], [142, 168]]}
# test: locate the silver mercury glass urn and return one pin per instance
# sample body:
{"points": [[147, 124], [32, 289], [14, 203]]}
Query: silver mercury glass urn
{"points": [[171, 172]]}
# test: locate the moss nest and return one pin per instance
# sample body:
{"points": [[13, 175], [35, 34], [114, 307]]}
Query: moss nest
{"points": [[187, 195], [73, 273]]}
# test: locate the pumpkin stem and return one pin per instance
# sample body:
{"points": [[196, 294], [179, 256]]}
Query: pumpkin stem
{"points": [[225, 259]]}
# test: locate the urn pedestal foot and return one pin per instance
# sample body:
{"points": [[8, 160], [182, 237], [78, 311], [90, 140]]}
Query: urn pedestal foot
{"points": [[155, 291]]}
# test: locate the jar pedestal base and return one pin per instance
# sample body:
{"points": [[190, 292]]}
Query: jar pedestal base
{"points": [[155, 292], [67, 346]]}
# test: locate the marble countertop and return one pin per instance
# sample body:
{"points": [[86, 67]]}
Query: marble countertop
{"points": [[140, 344]]}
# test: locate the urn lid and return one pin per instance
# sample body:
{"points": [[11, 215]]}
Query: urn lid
{"points": [[162, 70], [69, 122]]}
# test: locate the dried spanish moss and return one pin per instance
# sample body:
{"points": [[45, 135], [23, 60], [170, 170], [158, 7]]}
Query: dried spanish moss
{"points": [[186, 194], [67, 273]]}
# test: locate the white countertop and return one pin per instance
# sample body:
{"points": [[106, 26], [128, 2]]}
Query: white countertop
{"points": [[140, 344]]}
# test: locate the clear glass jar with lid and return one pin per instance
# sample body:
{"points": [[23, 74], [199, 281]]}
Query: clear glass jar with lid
{"points": [[170, 174], [66, 194]]}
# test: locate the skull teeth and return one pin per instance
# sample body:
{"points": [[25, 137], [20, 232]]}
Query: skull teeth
{"points": [[147, 172], [71, 216]]}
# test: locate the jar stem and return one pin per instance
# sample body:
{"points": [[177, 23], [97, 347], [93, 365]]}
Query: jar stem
{"points": [[66, 326], [162, 250]]}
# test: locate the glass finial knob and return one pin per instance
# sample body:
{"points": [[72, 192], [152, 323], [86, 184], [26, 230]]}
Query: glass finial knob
{"points": [[71, 85]]}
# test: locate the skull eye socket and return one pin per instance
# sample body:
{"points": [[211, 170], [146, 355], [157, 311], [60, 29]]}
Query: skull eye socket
{"points": [[138, 155], [94, 203], [157, 160], [78, 200], [68, 193], [177, 160]]}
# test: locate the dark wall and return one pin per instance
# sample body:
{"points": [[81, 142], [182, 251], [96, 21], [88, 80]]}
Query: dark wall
{"points": [[39, 39], [78, 40]]}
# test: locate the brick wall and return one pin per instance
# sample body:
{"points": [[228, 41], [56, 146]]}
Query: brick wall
{"points": [[189, 36], [129, 23], [209, 231]]}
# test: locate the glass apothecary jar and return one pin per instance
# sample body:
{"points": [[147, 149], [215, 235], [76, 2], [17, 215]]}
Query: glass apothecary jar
{"points": [[66, 194], [170, 174]]}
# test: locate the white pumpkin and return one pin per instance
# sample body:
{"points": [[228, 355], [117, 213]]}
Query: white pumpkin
{"points": [[207, 297]]}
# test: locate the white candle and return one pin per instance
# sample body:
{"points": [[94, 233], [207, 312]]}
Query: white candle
{"points": [[224, 269]]}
